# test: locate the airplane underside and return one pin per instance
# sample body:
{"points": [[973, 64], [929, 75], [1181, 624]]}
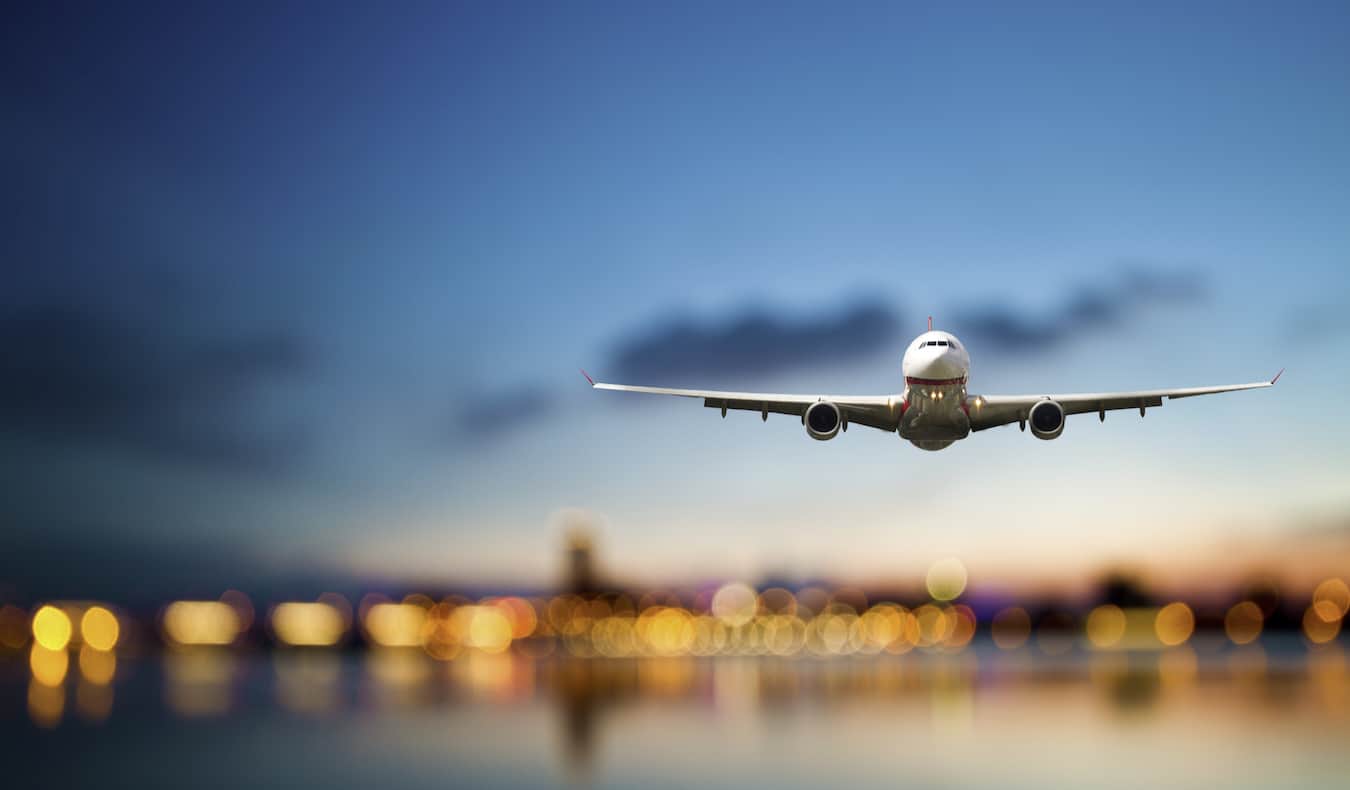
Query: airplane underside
{"points": [[934, 418]]}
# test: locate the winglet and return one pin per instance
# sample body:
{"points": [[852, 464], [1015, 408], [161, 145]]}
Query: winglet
{"points": [[930, 323], [1277, 377], [588, 376]]}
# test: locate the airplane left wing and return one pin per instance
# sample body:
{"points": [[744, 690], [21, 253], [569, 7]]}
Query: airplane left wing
{"points": [[875, 411], [989, 411]]}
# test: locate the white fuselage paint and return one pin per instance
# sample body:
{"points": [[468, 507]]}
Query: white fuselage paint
{"points": [[936, 367]]}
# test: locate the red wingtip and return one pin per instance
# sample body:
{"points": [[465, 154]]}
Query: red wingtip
{"points": [[588, 376], [1277, 376], [930, 323]]}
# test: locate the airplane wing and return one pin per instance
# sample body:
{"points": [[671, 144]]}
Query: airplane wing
{"points": [[874, 411], [989, 411]]}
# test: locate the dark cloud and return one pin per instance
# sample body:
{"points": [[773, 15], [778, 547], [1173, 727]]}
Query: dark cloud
{"points": [[75, 376], [753, 342], [1003, 329], [489, 415]]}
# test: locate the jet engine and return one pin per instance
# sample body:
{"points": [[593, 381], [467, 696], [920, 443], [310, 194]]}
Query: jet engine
{"points": [[1047, 419], [823, 420]]}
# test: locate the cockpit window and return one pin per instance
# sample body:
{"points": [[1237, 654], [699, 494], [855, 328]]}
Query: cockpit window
{"points": [[942, 342]]}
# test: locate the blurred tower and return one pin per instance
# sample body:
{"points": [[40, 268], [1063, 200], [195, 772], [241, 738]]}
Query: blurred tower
{"points": [[580, 568]]}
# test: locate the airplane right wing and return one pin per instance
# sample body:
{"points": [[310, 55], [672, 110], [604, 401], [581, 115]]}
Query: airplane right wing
{"points": [[990, 411]]}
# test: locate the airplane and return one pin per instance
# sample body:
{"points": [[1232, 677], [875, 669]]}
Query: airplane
{"points": [[934, 410]]}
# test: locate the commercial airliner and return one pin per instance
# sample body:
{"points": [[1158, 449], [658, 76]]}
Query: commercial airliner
{"points": [[934, 410]]}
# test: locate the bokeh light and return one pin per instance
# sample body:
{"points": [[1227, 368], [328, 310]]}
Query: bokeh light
{"points": [[51, 628], [313, 624], [1174, 624], [99, 628], [1105, 626], [395, 624], [735, 604], [201, 623], [1318, 630], [946, 579], [1243, 622], [1332, 599]]}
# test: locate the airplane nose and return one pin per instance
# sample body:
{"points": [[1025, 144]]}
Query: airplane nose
{"points": [[943, 364]]}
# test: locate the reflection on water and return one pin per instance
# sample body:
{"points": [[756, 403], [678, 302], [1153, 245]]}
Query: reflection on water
{"points": [[1251, 714]]}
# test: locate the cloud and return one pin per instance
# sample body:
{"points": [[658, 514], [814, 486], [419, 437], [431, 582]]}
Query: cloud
{"points": [[1004, 329], [753, 342], [79, 377]]}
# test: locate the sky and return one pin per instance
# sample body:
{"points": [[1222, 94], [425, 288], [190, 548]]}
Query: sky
{"points": [[302, 293]]}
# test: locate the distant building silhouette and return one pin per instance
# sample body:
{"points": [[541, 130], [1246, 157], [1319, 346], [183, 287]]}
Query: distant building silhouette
{"points": [[581, 577]]}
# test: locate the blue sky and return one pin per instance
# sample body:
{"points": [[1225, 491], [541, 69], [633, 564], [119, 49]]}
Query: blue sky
{"points": [[309, 291]]}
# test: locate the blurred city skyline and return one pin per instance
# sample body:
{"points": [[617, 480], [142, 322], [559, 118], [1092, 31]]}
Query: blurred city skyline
{"points": [[300, 296]]}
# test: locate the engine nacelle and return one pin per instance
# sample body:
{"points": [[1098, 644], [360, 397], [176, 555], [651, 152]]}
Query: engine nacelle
{"points": [[823, 420], [1047, 419]]}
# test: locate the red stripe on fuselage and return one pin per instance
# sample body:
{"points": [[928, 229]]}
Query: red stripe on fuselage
{"points": [[933, 382]]}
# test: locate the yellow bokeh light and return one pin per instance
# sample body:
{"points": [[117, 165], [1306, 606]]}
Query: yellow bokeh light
{"points": [[1174, 624], [49, 667], [946, 579], [735, 603], [489, 629], [51, 628], [1243, 622], [1318, 630], [97, 666], [99, 628], [308, 624], [1332, 599], [1105, 626], [201, 623], [1011, 628], [396, 624], [933, 625]]}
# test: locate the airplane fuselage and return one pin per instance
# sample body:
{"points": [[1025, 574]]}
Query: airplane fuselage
{"points": [[934, 413]]}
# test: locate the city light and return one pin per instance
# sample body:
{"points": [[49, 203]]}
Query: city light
{"points": [[99, 628], [201, 623], [1243, 622], [946, 579], [1105, 626], [395, 624], [1174, 624], [308, 624], [51, 628]]}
